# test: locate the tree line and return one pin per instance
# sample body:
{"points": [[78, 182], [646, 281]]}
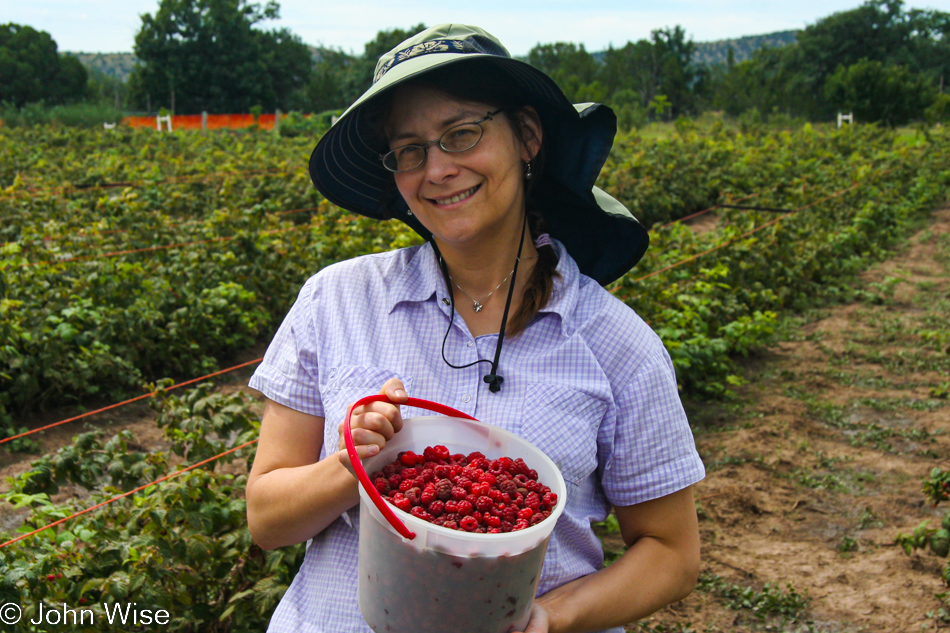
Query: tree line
{"points": [[881, 61]]}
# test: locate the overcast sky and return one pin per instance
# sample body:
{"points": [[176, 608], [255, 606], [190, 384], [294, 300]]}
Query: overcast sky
{"points": [[109, 26]]}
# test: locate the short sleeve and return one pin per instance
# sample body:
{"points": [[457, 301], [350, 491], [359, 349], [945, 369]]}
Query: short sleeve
{"points": [[646, 445], [289, 372]]}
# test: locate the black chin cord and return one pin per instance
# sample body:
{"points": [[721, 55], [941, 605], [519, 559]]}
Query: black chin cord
{"points": [[493, 379]]}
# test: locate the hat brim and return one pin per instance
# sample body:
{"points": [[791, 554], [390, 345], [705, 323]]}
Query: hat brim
{"points": [[345, 166]]}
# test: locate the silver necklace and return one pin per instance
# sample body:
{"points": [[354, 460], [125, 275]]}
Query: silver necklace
{"points": [[476, 304]]}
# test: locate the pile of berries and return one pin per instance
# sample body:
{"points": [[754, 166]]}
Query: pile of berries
{"points": [[466, 492]]}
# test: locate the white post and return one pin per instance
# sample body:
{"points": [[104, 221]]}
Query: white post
{"points": [[842, 118], [204, 121], [167, 119], [277, 121]]}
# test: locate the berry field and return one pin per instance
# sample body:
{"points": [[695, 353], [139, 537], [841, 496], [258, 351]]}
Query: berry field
{"points": [[798, 278]]}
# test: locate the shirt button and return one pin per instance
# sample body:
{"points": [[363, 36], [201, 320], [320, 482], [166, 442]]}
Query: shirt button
{"points": [[445, 301], [471, 343], [466, 398]]}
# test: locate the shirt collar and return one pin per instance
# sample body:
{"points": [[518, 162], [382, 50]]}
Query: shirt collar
{"points": [[421, 278]]}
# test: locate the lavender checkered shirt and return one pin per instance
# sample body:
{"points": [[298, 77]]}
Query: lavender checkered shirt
{"points": [[588, 382]]}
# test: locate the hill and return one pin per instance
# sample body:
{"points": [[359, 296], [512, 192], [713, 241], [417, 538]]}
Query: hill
{"points": [[710, 53], [113, 64]]}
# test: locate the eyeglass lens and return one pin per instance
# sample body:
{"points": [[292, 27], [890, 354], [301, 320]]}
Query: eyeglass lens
{"points": [[456, 139]]}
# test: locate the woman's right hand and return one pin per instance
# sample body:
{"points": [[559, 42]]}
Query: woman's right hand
{"points": [[373, 424]]}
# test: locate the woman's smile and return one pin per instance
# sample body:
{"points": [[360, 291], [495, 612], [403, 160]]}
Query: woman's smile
{"points": [[459, 197]]}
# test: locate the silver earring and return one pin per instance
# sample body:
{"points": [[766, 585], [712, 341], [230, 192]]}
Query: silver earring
{"points": [[527, 170], [409, 212]]}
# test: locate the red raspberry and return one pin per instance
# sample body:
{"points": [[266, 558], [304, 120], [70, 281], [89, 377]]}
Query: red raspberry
{"points": [[494, 531], [419, 513], [480, 489], [436, 508], [394, 481], [452, 505], [465, 507], [487, 478], [457, 457], [474, 455], [463, 482], [458, 492], [510, 514], [533, 486], [389, 470], [521, 480], [427, 496], [520, 467], [427, 475], [532, 501], [382, 485], [471, 473], [471, 499], [408, 458], [443, 489], [478, 516], [442, 471], [430, 454], [532, 474], [452, 525], [549, 499], [414, 494], [405, 485], [525, 513], [484, 504], [520, 524], [494, 495], [441, 452], [409, 473], [492, 521], [506, 526], [469, 524], [508, 487], [402, 503], [537, 518]]}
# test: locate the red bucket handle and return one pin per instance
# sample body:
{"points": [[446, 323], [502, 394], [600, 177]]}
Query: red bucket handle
{"points": [[368, 486]]}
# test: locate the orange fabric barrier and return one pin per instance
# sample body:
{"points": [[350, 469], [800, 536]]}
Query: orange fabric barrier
{"points": [[193, 121]]}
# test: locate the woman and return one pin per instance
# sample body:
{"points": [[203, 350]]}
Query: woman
{"points": [[478, 152]]}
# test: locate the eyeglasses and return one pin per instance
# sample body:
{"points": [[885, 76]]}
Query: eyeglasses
{"points": [[459, 138]]}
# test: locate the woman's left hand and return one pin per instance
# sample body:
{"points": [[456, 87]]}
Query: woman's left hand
{"points": [[539, 620]]}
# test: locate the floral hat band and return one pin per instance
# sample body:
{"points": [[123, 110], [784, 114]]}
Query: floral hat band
{"points": [[473, 44]]}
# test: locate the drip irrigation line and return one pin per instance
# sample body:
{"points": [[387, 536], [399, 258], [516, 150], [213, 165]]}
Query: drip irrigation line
{"points": [[130, 401], [149, 249], [125, 494], [744, 208], [704, 211], [171, 180], [747, 233], [48, 238]]}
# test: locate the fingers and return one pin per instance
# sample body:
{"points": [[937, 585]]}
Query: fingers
{"points": [[375, 423], [539, 622]]}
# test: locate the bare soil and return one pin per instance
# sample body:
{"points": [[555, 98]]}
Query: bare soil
{"points": [[813, 467], [818, 463]]}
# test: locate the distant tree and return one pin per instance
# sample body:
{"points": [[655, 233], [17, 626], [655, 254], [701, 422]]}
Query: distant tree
{"points": [[876, 92], [31, 70], [792, 79], [662, 65], [206, 55], [572, 68]]}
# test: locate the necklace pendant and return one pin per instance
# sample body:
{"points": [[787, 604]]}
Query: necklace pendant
{"points": [[477, 306]]}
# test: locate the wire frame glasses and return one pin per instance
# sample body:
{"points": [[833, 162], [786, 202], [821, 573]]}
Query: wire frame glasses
{"points": [[459, 138]]}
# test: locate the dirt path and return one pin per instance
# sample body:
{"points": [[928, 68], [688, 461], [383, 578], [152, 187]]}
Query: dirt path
{"points": [[818, 464]]}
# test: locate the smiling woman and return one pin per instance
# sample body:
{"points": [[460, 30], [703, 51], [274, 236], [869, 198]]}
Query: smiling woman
{"points": [[486, 159]]}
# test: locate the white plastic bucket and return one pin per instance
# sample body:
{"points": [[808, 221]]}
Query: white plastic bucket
{"points": [[417, 577]]}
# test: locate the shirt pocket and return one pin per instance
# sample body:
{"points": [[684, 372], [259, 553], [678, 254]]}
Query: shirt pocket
{"points": [[345, 385], [563, 423]]}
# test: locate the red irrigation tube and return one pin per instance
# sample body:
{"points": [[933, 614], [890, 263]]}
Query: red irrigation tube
{"points": [[125, 402], [124, 494]]}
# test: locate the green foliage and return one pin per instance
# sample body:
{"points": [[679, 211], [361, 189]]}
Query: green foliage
{"points": [[87, 115], [32, 71], [887, 54], [766, 604], [937, 486], [205, 55], [874, 92], [182, 545]]}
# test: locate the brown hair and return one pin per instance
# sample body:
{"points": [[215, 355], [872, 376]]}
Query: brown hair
{"points": [[485, 83]]}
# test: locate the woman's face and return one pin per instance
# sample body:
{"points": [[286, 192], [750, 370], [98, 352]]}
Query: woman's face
{"points": [[467, 198]]}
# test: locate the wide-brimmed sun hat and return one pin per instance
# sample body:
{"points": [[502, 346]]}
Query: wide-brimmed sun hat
{"points": [[600, 234]]}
